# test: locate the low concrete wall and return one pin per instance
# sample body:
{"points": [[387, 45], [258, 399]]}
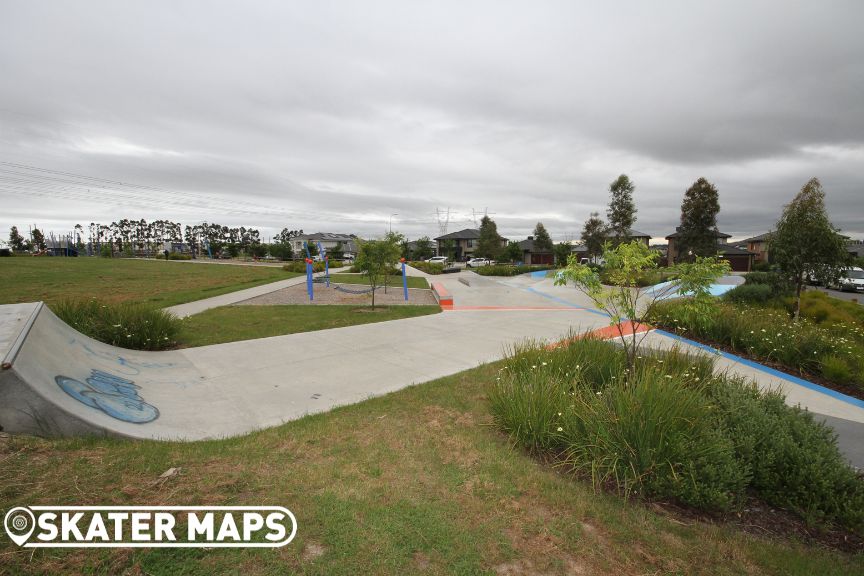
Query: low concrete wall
{"points": [[443, 296]]}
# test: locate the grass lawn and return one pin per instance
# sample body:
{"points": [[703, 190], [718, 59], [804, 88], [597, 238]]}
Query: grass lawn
{"points": [[413, 281], [157, 283], [415, 481], [231, 323]]}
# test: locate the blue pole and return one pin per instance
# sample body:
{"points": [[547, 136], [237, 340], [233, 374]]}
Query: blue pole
{"points": [[327, 271], [404, 280], [306, 246], [309, 280]]}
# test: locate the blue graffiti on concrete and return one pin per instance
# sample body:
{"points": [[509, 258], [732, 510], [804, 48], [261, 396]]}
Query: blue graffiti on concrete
{"points": [[117, 397], [121, 364]]}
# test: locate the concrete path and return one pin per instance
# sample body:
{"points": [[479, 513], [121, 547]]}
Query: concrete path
{"points": [[190, 308]]}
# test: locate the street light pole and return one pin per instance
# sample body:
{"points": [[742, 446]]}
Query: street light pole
{"points": [[390, 223]]}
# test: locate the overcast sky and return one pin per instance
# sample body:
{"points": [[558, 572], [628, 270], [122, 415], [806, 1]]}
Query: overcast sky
{"points": [[331, 116]]}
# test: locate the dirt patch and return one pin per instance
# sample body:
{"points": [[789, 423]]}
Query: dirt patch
{"points": [[311, 551], [342, 294]]}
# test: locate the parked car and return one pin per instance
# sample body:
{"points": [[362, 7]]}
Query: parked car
{"points": [[477, 262], [438, 260], [851, 279]]}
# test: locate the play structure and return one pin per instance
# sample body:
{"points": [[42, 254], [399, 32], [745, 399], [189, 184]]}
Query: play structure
{"points": [[311, 280]]}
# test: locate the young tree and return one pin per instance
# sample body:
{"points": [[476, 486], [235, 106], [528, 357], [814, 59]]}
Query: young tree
{"points": [[489, 243], [626, 303], [424, 248], [448, 248], [337, 252], [698, 230], [806, 243], [542, 241], [16, 241], [512, 253], [397, 241], [593, 235], [562, 253], [374, 259], [622, 210]]}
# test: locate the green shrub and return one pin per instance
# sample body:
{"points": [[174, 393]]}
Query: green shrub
{"points": [[647, 278], [822, 308], [793, 460], [509, 269], [127, 325], [750, 293], [779, 285], [837, 369], [674, 431], [761, 266], [178, 256], [428, 267]]}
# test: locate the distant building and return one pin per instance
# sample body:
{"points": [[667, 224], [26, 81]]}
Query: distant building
{"points": [[759, 246], [464, 243], [532, 255], [740, 259], [328, 241], [631, 234]]}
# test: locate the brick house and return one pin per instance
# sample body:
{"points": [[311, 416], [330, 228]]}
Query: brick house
{"points": [[740, 259], [464, 243]]}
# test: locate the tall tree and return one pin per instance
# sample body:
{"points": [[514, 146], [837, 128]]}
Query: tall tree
{"points": [[38, 239], [16, 241], [489, 243], [542, 241], [562, 253], [805, 242], [423, 249], [512, 253], [622, 210], [698, 230], [593, 235]]}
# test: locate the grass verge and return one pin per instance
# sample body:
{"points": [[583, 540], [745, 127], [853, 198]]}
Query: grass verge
{"points": [[232, 323], [415, 481], [154, 283]]}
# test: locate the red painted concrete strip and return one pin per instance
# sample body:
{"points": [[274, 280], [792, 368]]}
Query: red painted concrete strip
{"points": [[513, 308], [445, 300], [607, 333]]}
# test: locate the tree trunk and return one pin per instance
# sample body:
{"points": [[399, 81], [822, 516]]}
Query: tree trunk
{"points": [[798, 286]]}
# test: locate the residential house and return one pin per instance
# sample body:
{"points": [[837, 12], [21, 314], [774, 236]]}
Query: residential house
{"points": [[464, 244], [327, 240], [759, 246], [533, 255], [740, 260], [855, 248], [611, 235]]}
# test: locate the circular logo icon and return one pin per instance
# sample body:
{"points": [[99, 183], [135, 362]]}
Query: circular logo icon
{"points": [[19, 523]]}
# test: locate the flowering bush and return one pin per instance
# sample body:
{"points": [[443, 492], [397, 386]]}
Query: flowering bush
{"points": [[769, 333]]}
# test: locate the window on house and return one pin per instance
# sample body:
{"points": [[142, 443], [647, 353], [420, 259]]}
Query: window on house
{"points": [[470, 243]]}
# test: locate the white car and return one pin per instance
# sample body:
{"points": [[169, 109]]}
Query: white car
{"points": [[438, 260], [851, 279], [477, 262]]}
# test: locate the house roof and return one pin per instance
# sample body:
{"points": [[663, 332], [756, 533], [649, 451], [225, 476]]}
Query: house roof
{"points": [[527, 245], [631, 233], [326, 236], [729, 250], [717, 234], [760, 238], [466, 234]]}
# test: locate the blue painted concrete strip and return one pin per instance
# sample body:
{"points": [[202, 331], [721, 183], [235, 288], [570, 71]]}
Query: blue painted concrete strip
{"points": [[776, 373], [565, 302]]}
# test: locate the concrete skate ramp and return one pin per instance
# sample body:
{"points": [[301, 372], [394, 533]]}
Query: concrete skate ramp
{"points": [[59, 382]]}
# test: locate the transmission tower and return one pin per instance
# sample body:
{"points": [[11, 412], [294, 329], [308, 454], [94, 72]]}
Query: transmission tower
{"points": [[476, 213], [443, 220]]}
